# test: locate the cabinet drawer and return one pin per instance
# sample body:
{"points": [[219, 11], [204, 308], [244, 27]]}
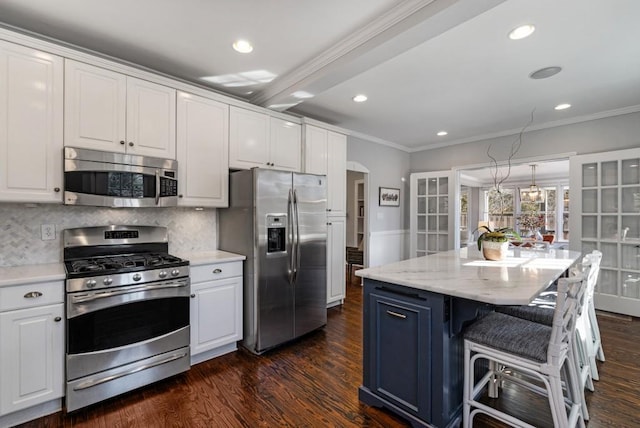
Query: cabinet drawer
{"points": [[215, 271], [30, 295]]}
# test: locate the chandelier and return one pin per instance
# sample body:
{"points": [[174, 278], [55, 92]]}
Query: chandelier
{"points": [[535, 193]]}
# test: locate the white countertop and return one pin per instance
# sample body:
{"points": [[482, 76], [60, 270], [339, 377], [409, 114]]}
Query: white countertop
{"points": [[465, 273], [208, 257], [30, 274]]}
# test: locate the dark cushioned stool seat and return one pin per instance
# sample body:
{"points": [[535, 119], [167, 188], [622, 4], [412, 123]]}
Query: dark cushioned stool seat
{"points": [[511, 334], [538, 314]]}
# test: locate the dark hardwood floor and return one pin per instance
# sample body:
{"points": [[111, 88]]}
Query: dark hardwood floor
{"points": [[314, 383]]}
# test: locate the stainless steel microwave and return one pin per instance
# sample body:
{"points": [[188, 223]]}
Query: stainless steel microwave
{"points": [[106, 179]]}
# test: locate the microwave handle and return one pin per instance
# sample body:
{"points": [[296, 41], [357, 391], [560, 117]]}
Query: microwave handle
{"points": [[157, 187]]}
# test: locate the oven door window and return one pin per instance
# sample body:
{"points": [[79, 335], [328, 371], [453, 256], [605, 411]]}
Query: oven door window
{"points": [[126, 324]]}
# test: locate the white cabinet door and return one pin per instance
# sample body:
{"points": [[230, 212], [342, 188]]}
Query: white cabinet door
{"points": [[248, 139], [202, 151], [432, 213], [604, 214], [31, 357], [315, 150], [94, 107], [151, 119], [216, 314], [285, 145], [326, 153], [105, 110], [337, 174], [31, 108], [336, 239]]}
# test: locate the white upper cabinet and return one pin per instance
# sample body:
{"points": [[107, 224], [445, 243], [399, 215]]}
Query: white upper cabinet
{"points": [[202, 149], [105, 110], [285, 150], [326, 153], [31, 123], [258, 140]]}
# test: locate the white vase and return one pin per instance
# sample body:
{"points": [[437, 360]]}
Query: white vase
{"points": [[492, 250]]}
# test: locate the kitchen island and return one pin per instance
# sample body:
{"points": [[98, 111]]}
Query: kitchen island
{"points": [[414, 314]]}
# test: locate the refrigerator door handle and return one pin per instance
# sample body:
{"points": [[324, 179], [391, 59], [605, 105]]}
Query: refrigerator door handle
{"points": [[290, 235], [296, 236]]}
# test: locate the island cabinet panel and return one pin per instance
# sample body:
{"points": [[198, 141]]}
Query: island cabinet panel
{"points": [[400, 368], [413, 352]]}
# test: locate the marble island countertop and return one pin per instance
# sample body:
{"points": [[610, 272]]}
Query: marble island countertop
{"points": [[465, 273]]}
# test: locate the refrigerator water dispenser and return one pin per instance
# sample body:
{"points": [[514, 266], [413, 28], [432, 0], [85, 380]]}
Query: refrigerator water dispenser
{"points": [[276, 233]]}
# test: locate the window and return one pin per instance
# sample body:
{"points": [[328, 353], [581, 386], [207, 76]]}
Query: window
{"points": [[500, 208]]}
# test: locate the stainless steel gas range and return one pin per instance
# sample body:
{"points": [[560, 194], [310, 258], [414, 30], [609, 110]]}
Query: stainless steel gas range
{"points": [[127, 306]]}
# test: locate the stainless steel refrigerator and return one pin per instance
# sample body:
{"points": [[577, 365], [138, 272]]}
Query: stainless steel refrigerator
{"points": [[277, 219]]}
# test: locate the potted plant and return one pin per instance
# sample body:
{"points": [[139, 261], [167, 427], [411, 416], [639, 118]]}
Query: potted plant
{"points": [[494, 243]]}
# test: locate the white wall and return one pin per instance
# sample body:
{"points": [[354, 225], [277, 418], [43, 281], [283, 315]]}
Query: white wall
{"points": [[601, 135], [387, 166]]}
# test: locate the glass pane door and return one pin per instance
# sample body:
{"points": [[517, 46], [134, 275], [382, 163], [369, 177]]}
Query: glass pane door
{"points": [[608, 206], [431, 213]]}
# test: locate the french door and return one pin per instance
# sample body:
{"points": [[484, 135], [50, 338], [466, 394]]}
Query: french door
{"points": [[432, 208], [605, 215]]}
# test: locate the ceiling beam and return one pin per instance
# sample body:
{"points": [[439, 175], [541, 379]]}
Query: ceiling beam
{"points": [[399, 29]]}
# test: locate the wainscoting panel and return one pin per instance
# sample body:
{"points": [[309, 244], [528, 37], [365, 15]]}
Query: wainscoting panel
{"points": [[388, 246]]}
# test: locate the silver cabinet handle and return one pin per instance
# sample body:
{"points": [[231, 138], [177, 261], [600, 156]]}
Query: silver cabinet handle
{"points": [[395, 314], [57, 319], [217, 271], [32, 295]]}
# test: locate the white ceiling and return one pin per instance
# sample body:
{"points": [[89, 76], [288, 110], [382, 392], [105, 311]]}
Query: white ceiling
{"points": [[426, 65]]}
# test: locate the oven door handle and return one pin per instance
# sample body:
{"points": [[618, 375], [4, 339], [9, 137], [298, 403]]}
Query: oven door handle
{"points": [[95, 382], [105, 294]]}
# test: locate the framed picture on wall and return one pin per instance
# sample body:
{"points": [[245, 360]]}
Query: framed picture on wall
{"points": [[389, 197]]}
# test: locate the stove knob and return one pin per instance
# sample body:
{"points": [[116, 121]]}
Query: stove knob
{"points": [[91, 283], [107, 281], [137, 277], [175, 272], [162, 274]]}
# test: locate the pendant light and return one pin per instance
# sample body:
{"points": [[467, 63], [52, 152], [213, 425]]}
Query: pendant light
{"points": [[535, 193]]}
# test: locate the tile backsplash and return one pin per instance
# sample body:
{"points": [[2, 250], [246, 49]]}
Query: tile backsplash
{"points": [[20, 234]]}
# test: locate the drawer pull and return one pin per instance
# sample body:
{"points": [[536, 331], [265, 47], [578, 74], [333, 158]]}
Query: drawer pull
{"points": [[217, 271], [32, 295], [395, 314], [57, 319], [193, 296]]}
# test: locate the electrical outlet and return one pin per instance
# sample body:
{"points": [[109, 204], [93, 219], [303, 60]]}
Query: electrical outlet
{"points": [[48, 232]]}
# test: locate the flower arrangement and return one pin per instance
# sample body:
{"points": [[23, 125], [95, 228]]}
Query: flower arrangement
{"points": [[498, 235], [530, 221]]}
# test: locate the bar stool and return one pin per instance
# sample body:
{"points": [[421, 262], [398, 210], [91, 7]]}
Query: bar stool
{"points": [[535, 352], [588, 345]]}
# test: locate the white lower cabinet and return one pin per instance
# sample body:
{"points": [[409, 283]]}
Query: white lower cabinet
{"points": [[336, 236], [31, 349], [216, 309]]}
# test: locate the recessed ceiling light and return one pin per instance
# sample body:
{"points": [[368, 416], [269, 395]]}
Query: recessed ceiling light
{"points": [[522, 31], [442, 133], [242, 46], [360, 98], [563, 106], [543, 73]]}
